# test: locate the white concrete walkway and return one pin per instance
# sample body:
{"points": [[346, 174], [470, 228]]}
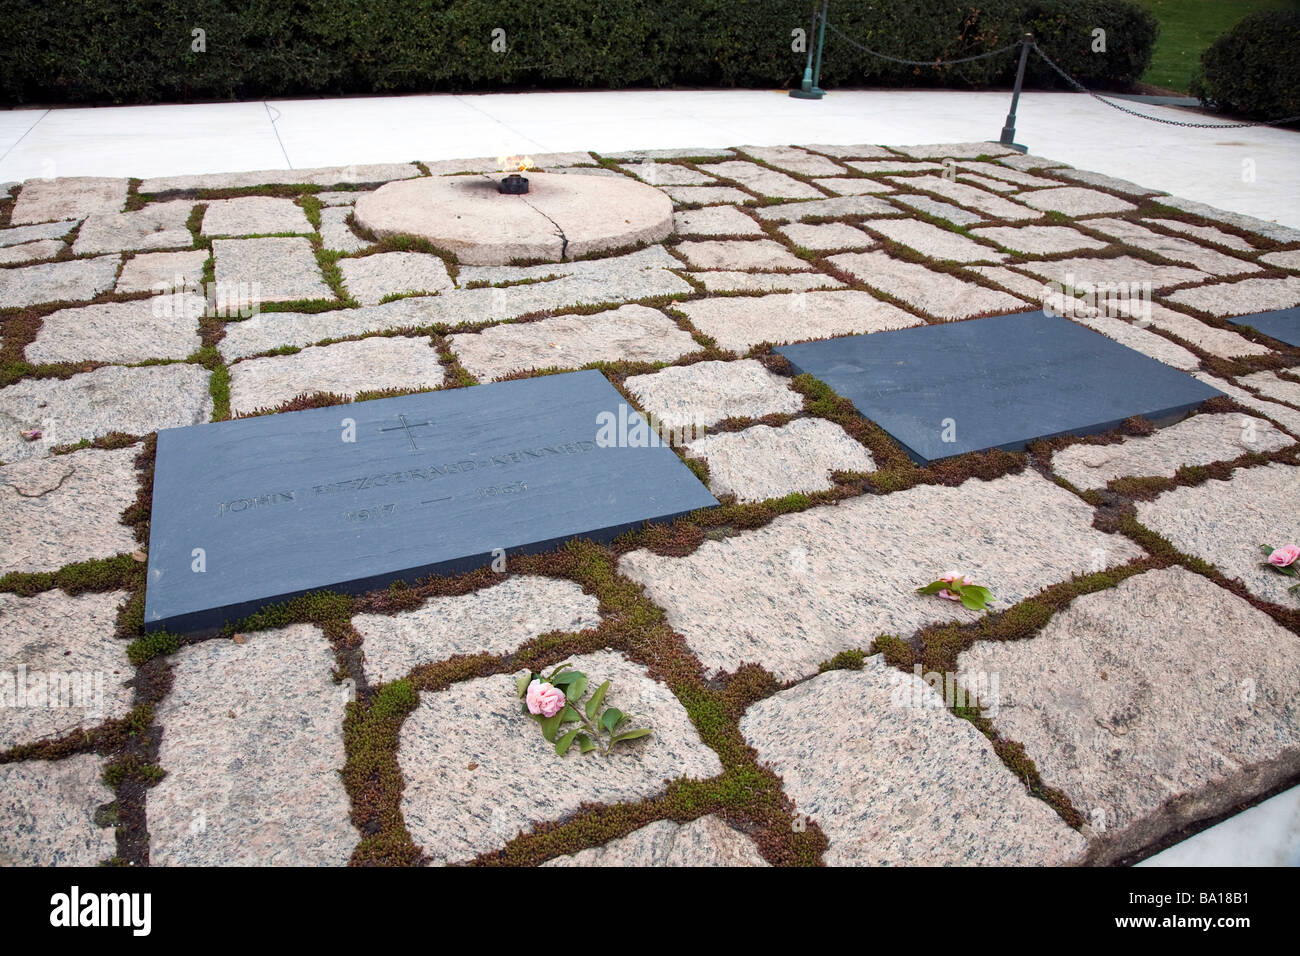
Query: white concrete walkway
{"points": [[1207, 165]]}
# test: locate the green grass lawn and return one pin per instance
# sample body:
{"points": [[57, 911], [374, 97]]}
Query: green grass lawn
{"points": [[1187, 27]]}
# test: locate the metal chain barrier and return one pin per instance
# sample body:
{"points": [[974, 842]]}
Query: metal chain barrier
{"points": [[893, 59]]}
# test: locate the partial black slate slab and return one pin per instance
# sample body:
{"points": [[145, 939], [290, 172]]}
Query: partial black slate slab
{"points": [[1283, 324], [282, 504], [999, 382]]}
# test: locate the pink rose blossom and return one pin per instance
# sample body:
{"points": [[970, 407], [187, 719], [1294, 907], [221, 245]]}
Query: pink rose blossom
{"points": [[953, 576], [544, 699], [1284, 556]]}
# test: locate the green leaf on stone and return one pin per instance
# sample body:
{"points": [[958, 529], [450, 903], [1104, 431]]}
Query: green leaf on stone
{"points": [[585, 743], [593, 705], [567, 678], [562, 745], [631, 734], [611, 719], [521, 684], [569, 715], [550, 725], [576, 689], [933, 588]]}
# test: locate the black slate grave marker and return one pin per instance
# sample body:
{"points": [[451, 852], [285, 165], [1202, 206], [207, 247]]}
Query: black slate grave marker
{"points": [[1283, 324], [999, 382], [255, 511]]}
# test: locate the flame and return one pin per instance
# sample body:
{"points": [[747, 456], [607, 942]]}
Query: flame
{"points": [[515, 164]]}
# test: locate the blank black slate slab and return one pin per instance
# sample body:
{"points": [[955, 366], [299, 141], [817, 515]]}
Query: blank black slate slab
{"points": [[999, 382], [258, 510], [1283, 325]]}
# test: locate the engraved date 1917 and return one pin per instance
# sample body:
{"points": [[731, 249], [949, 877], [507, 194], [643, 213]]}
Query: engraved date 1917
{"points": [[370, 514]]}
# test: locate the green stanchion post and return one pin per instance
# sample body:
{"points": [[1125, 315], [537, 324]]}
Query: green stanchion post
{"points": [[808, 89], [1008, 137]]}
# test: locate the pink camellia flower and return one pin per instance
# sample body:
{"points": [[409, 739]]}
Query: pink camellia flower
{"points": [[1284, 556], [954, 576], [544, 699]]}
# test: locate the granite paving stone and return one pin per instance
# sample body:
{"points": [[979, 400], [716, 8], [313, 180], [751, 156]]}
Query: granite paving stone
{"points": [[76, 280], [114, 398], [1210, 234], [1107, 182], [1146, 743], [668, 174], [69, 197], [807, 586], [159, 225], [707, 195], [462, 796], [1074, 201], [1038, 240], [75, 664], [955, 150], [370, 278], [1170, 247], [267, 716], [1286, 259], [837, 206], [155, 271], [765, 462], [345, 368], [715, 221], [632, 333], [739, 254], [31, 251], [723, 281], [934, 242], [495, 620], [1006, 173], [353, 175], [794, 160], [1284, 415], [1272, 386], [254, 215], [938, 293], [160, 327], [1243, 297], [45, 230], [972, 197], [1081, 271], [904, 781], [852, 185], [933, 207], [739, 323], [826, 236], [271, 270], [765, 182], [687, 398], [1260, 227], [1224, 343], [64, 509], [336, 234], [705, 841], [855, 151], [48, 810], [898, 164]]}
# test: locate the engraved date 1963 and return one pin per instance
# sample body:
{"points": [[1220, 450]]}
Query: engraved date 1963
{"points": [[494, 491]]}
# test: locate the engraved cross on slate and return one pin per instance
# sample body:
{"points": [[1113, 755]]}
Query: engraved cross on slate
{"points": [[406, 426]]}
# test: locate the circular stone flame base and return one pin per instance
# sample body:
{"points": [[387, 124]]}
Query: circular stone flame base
{"points": [[563, 216]]}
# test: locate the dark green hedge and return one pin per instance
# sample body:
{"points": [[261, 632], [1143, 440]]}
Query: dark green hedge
{"points": [[136, 51], [1253, 70]]}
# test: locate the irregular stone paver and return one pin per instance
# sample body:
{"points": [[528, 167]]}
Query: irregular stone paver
{"points": [[1080, 271], [740, 323], [971, 197], [690, 397], [252, 743], [1107, 182], [161, 327], [46, 230], [1178, 250], [937, 293], [878, 167], [1008, 174], [996, 185], [1261, 227], [70, 197], [322, 176], [716, 221], [344, 368], [690, 152], [707, 841], [31, 251], [707, 195], [857, 151], [1222, 342], [157, 226], [496, 620], [270, 269], [932, 207], [1039, 240], [1025, 161], [253, 215], [838, 206], [933, 242], [723, 281], [341, 197], [1225, 522], [852, 185], [47, 812], [1288, 417], [1204, 233], [1198, 440], [764, 462], [632, 333], [638, 275], [91, 404], [1244, 297], [66, 508], [74, 667], [901, 781], [741, 254], [955, 150], [1287, 259], [668, 174], [765, 182], [1269, 385], [153, 271], [1145, 743], [806, 586], [335, 232], [1074, 201], [794, 160], [75, 280], [370, 278], [825, 236], [457, 813]]}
